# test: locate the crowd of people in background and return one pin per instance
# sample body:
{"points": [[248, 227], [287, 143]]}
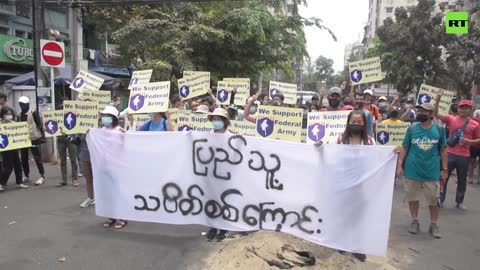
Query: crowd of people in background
{"points": [[435, 145]]}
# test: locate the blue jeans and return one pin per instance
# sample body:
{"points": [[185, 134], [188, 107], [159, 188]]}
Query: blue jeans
{"points": [[461, 165]]}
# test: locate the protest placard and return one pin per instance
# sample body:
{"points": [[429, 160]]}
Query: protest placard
{"points": [[14, 135], [200, 122], [151, 97], [193, 84], [52, 122], [304, 135], [140, 119], [391, 134], [242, 89], [103, 97], [245, 183], [279, 123], [140, 77], [288, 90], [224, 92], [79, 116], [428, 93], [86, 81], [244, 128], [326, 126], [365, 71], [184, 122]]}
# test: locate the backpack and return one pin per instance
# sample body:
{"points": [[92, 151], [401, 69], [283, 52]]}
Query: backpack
{"points": [[164, 124]]}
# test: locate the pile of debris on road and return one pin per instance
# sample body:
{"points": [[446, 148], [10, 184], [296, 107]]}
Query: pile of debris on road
{"points": [[265, 250]]}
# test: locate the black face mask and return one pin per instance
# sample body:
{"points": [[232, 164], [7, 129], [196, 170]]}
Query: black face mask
{"points": [[355, 129], [422, 117], [24, 106], [359, 105], [334, 103]]}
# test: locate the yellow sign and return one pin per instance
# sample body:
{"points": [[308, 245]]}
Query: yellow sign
{"points": [[173, 118], [326, 126], [365, 71], [244, 128], [14, 135], [304, 135], [193, 84], [140, 77], [200, 122], [224, 92], [279, 123], [86, 81], [288, 90], [102, 97], [391, 134], [151, 97], [242, 89], [140, 119], [184, 121], [52, 122], [79, 116], [428, 93]]}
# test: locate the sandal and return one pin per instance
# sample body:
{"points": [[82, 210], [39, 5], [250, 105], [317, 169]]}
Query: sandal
{"points": [[76, 183], [109, 223], [61, 184], [120, 224]]}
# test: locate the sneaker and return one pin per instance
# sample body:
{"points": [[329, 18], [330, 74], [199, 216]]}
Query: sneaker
{"points": [[435, 231], [211, 234], [222, 235], [22, 186], [88, 202], [360, 257], [414, 227], [1, 188], [462, 207], [40, 181], [80, 175], [26, 179], [470, 180]]}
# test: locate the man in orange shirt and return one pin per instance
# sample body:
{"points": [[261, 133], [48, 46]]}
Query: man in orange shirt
{"points": [[372, 108]]}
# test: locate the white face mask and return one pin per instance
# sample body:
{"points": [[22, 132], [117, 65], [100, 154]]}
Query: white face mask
{"points": [[8, 117]]}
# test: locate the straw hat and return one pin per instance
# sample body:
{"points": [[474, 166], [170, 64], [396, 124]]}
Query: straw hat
{"points": [[219, 112], [203, 109]]}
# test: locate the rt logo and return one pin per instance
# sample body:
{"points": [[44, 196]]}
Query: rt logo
{"points": [[456, 22]]}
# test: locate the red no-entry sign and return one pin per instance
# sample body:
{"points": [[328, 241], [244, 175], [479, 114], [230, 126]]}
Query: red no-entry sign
{"points": [[52, 53]]}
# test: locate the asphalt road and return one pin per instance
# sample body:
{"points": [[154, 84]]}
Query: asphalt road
{"points": [[42, 224]]}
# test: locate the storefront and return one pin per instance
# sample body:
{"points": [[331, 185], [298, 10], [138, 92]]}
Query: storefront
{"points": [[16, 57]]}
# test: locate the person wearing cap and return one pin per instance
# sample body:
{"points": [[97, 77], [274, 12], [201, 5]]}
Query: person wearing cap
{"points": [[474, 152], [370, 106], [37, 135], [202, 109], [422, 159], [459, 150], [220, 122], [383, 107], [334, 97]]}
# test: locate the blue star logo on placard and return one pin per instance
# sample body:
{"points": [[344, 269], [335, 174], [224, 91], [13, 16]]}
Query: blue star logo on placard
{"points": [[316, 132], [383, 137], [423, 98], [51, 127], [184, 128], [184, 91], [223, 95], [3, 141], [78, 82], [273, 92], [136, 102], [356, 75], [70, 120], [265, 127]]}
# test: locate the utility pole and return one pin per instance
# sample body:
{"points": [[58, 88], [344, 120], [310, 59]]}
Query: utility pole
{"points": [[38, 33]]}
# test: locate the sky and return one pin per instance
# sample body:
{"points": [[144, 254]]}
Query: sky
{"points": [[346, 18]]}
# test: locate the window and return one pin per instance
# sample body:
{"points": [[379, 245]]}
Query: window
{"points": [[20, 33], [4, 30], [389, 9], [30, 35], [24, 11]]}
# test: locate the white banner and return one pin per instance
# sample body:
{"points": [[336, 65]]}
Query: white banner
{"points": [[338, 196]]}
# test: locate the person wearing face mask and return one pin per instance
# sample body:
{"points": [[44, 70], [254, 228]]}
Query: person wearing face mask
{"points": [[370, 106], [423, 163], [109, 121], [220, 122], [158, 122], [334, 97], [460, 127], [383, 107], [359, 104], [11, 160], [37, 135]]}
